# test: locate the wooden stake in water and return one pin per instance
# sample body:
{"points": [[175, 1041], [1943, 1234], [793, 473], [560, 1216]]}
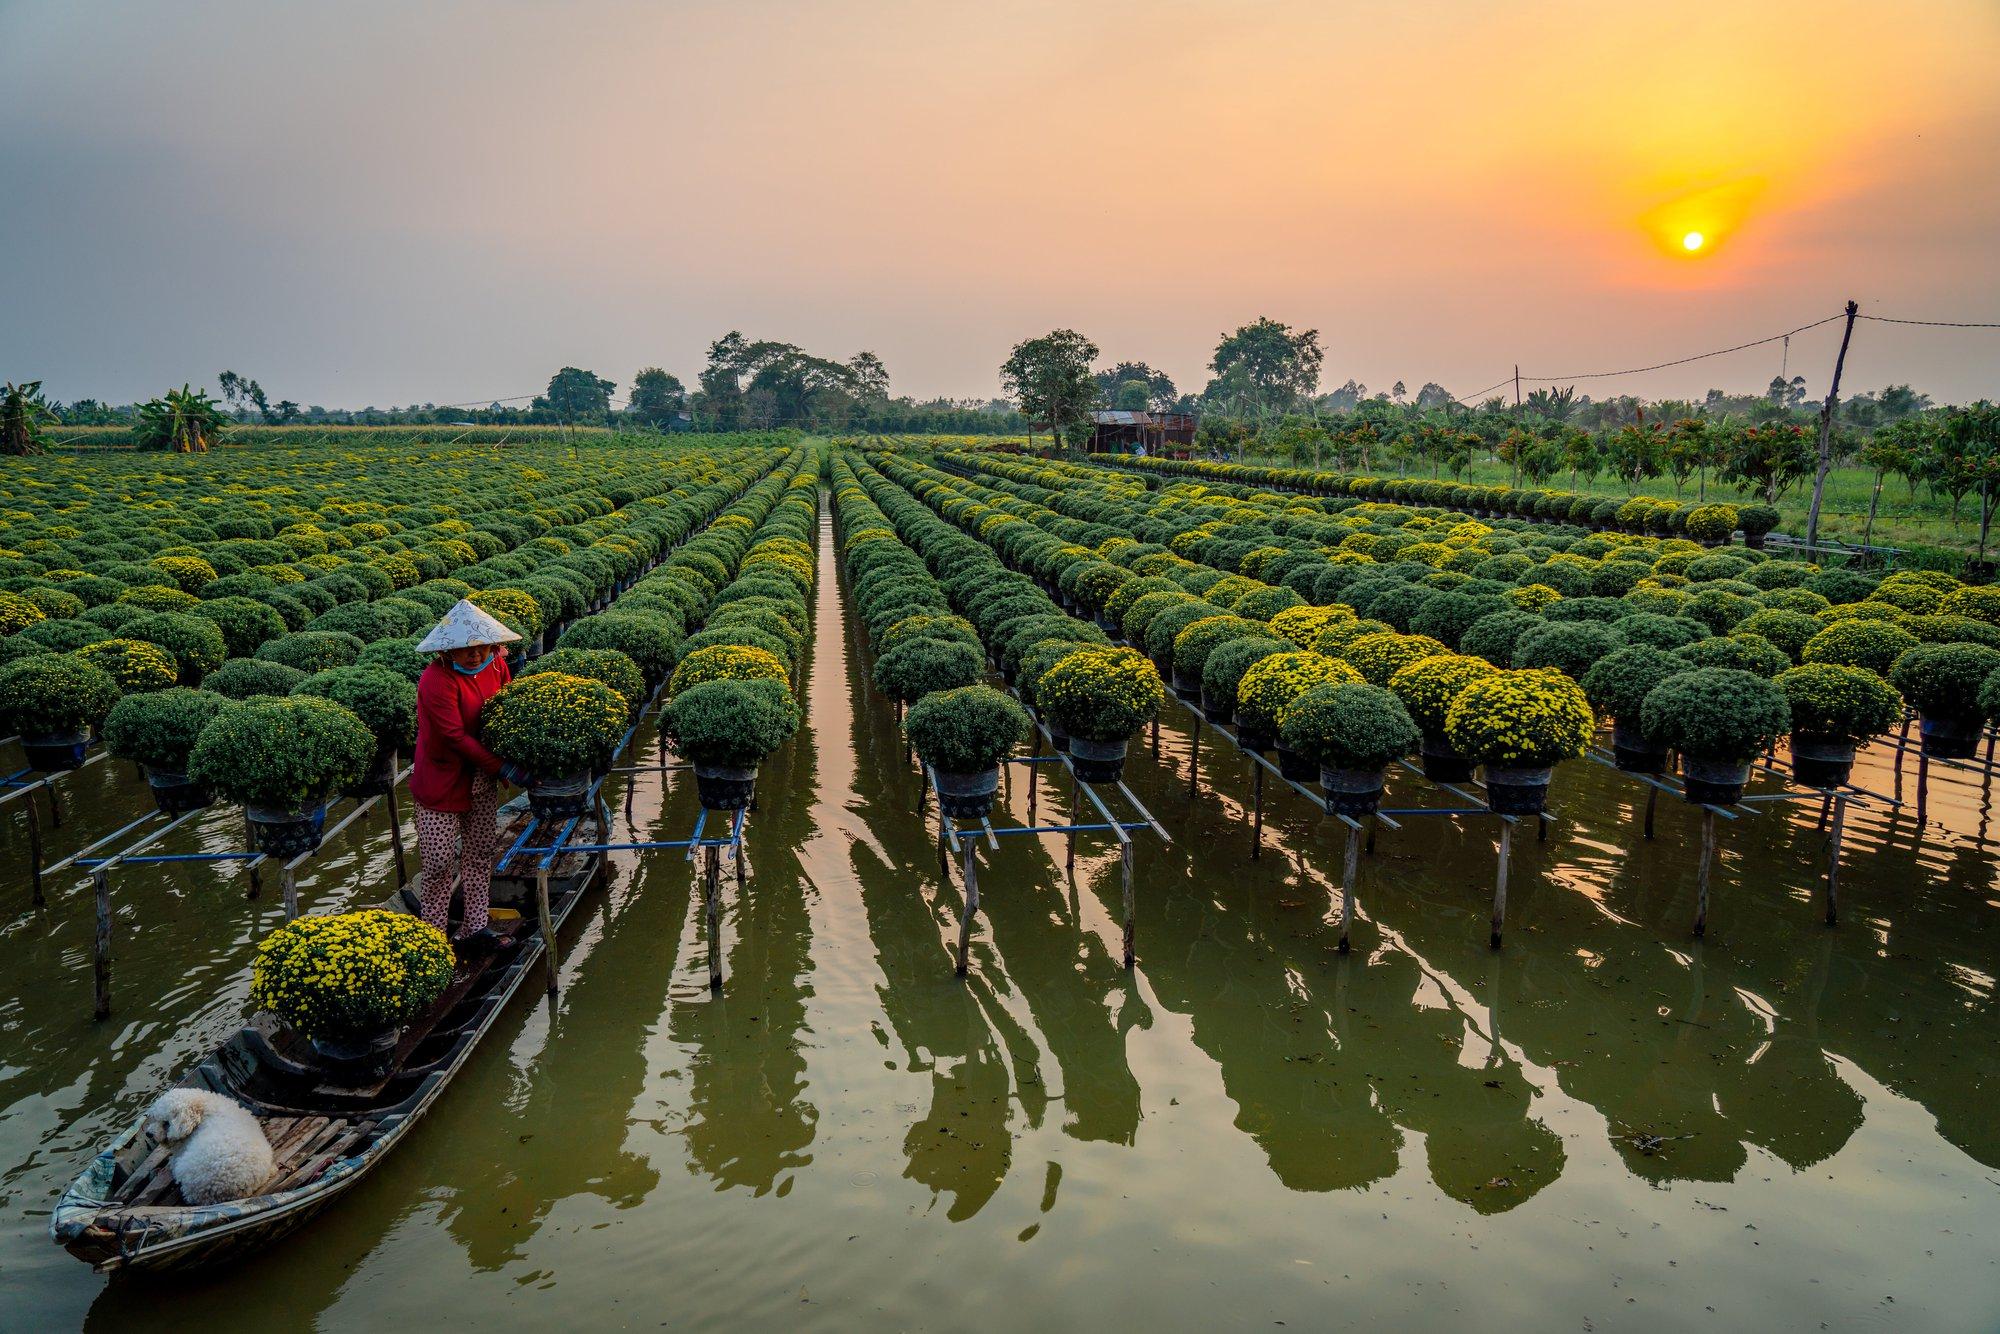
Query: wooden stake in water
{"points": [[100, 962], [1350, 870], [712, 877], [971, 907], [1131, 900], [546, 921], [35, 850], [396, 834], [1500, 882], [1833, 861], [288, 880], [1256, 811], [1707, 862]]}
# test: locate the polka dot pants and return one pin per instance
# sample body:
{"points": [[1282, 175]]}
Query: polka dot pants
{"points": [[439, 836]]}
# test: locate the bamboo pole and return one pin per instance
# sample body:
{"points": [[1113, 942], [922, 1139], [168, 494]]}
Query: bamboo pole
{"points": [[1833, 861], [971, 907], [100, 969], [1707, 863], [712, 879], [1131, 901], [1350, 870], [545, 919], [1500, 882]]}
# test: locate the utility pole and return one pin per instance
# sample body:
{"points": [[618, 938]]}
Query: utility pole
{"points": [[1517, 386], [1826, 431]]}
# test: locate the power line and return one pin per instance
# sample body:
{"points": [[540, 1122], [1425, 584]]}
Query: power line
{"points": [[1934, 324], [1682, 361]]}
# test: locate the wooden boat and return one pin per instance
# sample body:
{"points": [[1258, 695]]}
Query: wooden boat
{"points": [[124, 1211]]}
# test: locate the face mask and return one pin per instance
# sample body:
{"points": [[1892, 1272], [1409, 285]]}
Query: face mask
{"points": [[486, 662]]}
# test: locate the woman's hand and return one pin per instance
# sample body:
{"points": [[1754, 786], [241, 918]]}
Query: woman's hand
{"points": [[515, 774]]}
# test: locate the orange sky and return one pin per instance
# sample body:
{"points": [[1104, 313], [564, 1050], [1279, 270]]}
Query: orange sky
{"points": [[375, 202]]}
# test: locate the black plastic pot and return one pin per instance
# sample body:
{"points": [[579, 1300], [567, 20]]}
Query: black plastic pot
{"points": [[287, 833], [1708, 781], [1217, 710], [1296, 766], [1822, 761], [1187, 685], [1352, 791], [1251, 739], [1097, 761], [725, 787], [1633, 753], [1512, 791], [1442, 764], [380, 777], [357, 1061], [562, 798], [55, 752], [1106, 624], [174, 793], [1950, 738], [967, 796]]}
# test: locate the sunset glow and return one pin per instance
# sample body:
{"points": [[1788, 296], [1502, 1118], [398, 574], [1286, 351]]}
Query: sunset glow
{"points": [[1692, 241]]}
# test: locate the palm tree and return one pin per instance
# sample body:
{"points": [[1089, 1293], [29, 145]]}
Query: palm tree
{"points": [[22, 415]]}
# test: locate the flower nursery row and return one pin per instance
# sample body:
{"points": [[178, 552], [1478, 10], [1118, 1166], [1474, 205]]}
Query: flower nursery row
{"points": [[939, 609], [283, 682], [1710, 522], [1749, 641]]}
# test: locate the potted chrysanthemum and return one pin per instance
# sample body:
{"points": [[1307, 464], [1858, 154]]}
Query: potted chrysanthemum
{"points": [[1720, 720], [1518, 725], [1617, 685], [725, 728], [386, 703], [348, 982], [52, 700], [562, 730], [1427, 688], [1834, 709], [282, 758], [1351, 732], [1941, 682], [157, 731], [962, 735], [1100, 697], [1268, 686]]}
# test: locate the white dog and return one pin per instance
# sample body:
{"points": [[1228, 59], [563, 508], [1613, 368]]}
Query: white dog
{"points": [[219, 1151]]}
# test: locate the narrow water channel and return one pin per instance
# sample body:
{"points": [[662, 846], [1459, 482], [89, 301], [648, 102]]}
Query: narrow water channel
{"points": [[1605, 1125]]}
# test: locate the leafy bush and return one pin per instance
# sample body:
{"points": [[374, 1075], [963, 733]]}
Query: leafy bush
{"points": [[244, 623], [1101, 694], [1874, 645], [1428, 686], [1380, 656], [1834, 701], [18, 613], [159, 729], [917, 667], [1223, 670], [650, 639], [1943, 680], [1193, 644], [1715, 713], [54, 693], [1619, 682], [399, 656], [285, 754], [1275, 681], [195, 642], [606, 666], [1979, 603], [384, 701], [1744, 652], [1572, 647], [344, 977], [554, 724], [1493, 637], [312, 650], [133, 664], [965, 730], [240, 678], [1525, 719], [1348, 726], [731, 723], [1790, 631], [1712, 523]]}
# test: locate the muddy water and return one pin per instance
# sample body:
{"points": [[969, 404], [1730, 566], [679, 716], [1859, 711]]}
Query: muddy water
{"points": [[1605, 1125]]}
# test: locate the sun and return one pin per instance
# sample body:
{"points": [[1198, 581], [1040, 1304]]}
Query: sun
{"points": [[1693, 241]]}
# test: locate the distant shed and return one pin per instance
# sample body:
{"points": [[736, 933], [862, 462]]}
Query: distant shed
{"points": [[1155, 432]]}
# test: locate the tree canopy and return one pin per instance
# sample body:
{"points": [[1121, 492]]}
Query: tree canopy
{"points": [[1050, 378]]}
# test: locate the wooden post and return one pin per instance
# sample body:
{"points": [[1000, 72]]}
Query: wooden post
{"points": [[1156, 736], [1707, 863], [1833, 862], [1350, 869], [712, 878], [1034, 784], [1652, 805], [971, 907], [545, 919], [396, 838], [100, 969], [1075, 790], [1131, 900], [1194, 760], [250, 844], [288, 880], [35, 851], [55, 804], [1256, 810], [1826, 432], [1500, 883], [1923, 784]]}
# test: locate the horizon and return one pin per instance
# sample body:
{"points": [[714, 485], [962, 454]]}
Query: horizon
{"points": [[376, 205]]}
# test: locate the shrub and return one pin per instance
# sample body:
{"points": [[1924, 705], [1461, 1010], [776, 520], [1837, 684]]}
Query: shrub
{"points": [[1790, 631], [1874, 645], [384, 701], [917, 667], [554, 724], [54, 693], [244, 623], [1493, 637], [1979, 603], [1744, 652], [1380, 656], [1275, 681], [159, 729], [366, 621], [196, 643], [1101, 694], [1446, 616], [344, 977], [1834, 701], [153, 597], [1428, 686], [1619, 682], [512, 606], [605, 666], [1715, 713], [650, 639], [190, 574], [1348, 726], [1757, 520], [133, 664], [284, 754], [1336, 635], [399, 656], [965, 730], [1166, 626], [1712, 523], [1947, 629], [1657, 631], [1718, 609], [1943, 680], [18, 613], [312, 650], [1302, 625], [240, 678], [731, 723], [1570, 647], [1525, 719], [1261, 604], [1193, 645], [1139, 616]]}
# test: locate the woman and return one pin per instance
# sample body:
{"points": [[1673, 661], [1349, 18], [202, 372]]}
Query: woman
{"points": [[454, 778]]}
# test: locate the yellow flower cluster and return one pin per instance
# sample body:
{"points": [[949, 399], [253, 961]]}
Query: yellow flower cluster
{"points": [[1428, 686], [1302, 625], [1273, 682], [350, 975], [1102, 694], [514, 606], [1380, 656], [1532, 597], [134, 664], [726, 662], [1525, 719]]}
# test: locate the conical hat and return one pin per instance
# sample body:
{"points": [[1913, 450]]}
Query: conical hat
{"points": [[462, 627]]}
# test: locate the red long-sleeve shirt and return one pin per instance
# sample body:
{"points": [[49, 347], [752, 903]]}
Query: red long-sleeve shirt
{"points": [[448, 749]]}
